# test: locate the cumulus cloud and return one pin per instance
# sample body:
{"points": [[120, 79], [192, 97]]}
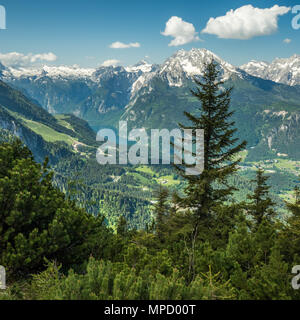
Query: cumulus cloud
{"points": [[22, 60], [287, 40], [183, 32], [246, 22], [121, 45], [111, 62]]}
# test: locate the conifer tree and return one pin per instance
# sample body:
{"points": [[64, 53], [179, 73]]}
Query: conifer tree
{"points": [[261, 205], [205, 192], [289, 239]]}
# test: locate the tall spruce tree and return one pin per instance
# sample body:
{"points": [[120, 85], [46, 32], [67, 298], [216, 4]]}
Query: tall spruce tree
{"points": [[205, 193], [210, 189], [261, 205]]}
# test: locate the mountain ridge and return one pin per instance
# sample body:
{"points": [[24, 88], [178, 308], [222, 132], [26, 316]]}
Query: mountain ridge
{"points": [[280, 70]]}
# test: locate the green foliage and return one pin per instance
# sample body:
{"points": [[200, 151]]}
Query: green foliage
{"points": [[46, 235], [160, 211], [289, 240], [110, 190], [36, 220], [271, 281], [205, 193], [202, 196], [203, 244], [104, 281], [261, 205]]}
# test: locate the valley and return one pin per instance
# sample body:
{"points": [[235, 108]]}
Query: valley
{"points": [[54, 108]]}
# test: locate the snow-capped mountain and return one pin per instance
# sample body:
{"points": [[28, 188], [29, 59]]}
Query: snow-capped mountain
{"points": [[285, 71], [59, 72], [186, 64], [178, 69], [74, 72], [176, 72]]}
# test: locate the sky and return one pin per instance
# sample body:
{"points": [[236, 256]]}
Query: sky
{"points": [[90, 33]]}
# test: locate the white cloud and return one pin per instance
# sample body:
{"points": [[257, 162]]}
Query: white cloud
{"points": [[183, 32], [121, 45], [111, 62], [23, 60], [287, 40], [246, 22]]}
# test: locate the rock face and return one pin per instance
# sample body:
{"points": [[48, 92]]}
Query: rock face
{"points": [[285, 71]]}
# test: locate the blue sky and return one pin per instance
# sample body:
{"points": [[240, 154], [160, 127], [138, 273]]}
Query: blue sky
{"points": [[81, 31]]}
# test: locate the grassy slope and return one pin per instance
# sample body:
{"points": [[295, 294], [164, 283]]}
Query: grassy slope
{"points": [[48, 134]]}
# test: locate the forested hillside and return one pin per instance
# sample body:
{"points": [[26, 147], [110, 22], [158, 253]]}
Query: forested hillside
{"points": [[201, 243], [70, 144]]}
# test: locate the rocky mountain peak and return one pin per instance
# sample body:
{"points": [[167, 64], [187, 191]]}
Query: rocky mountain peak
{"points": [[190, 63]]}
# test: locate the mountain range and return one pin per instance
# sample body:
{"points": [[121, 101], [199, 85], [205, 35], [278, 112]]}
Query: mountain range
{"points": [[265, 97]]}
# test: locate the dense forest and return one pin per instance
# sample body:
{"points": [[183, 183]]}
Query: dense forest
{"points": [[198, 244]]}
